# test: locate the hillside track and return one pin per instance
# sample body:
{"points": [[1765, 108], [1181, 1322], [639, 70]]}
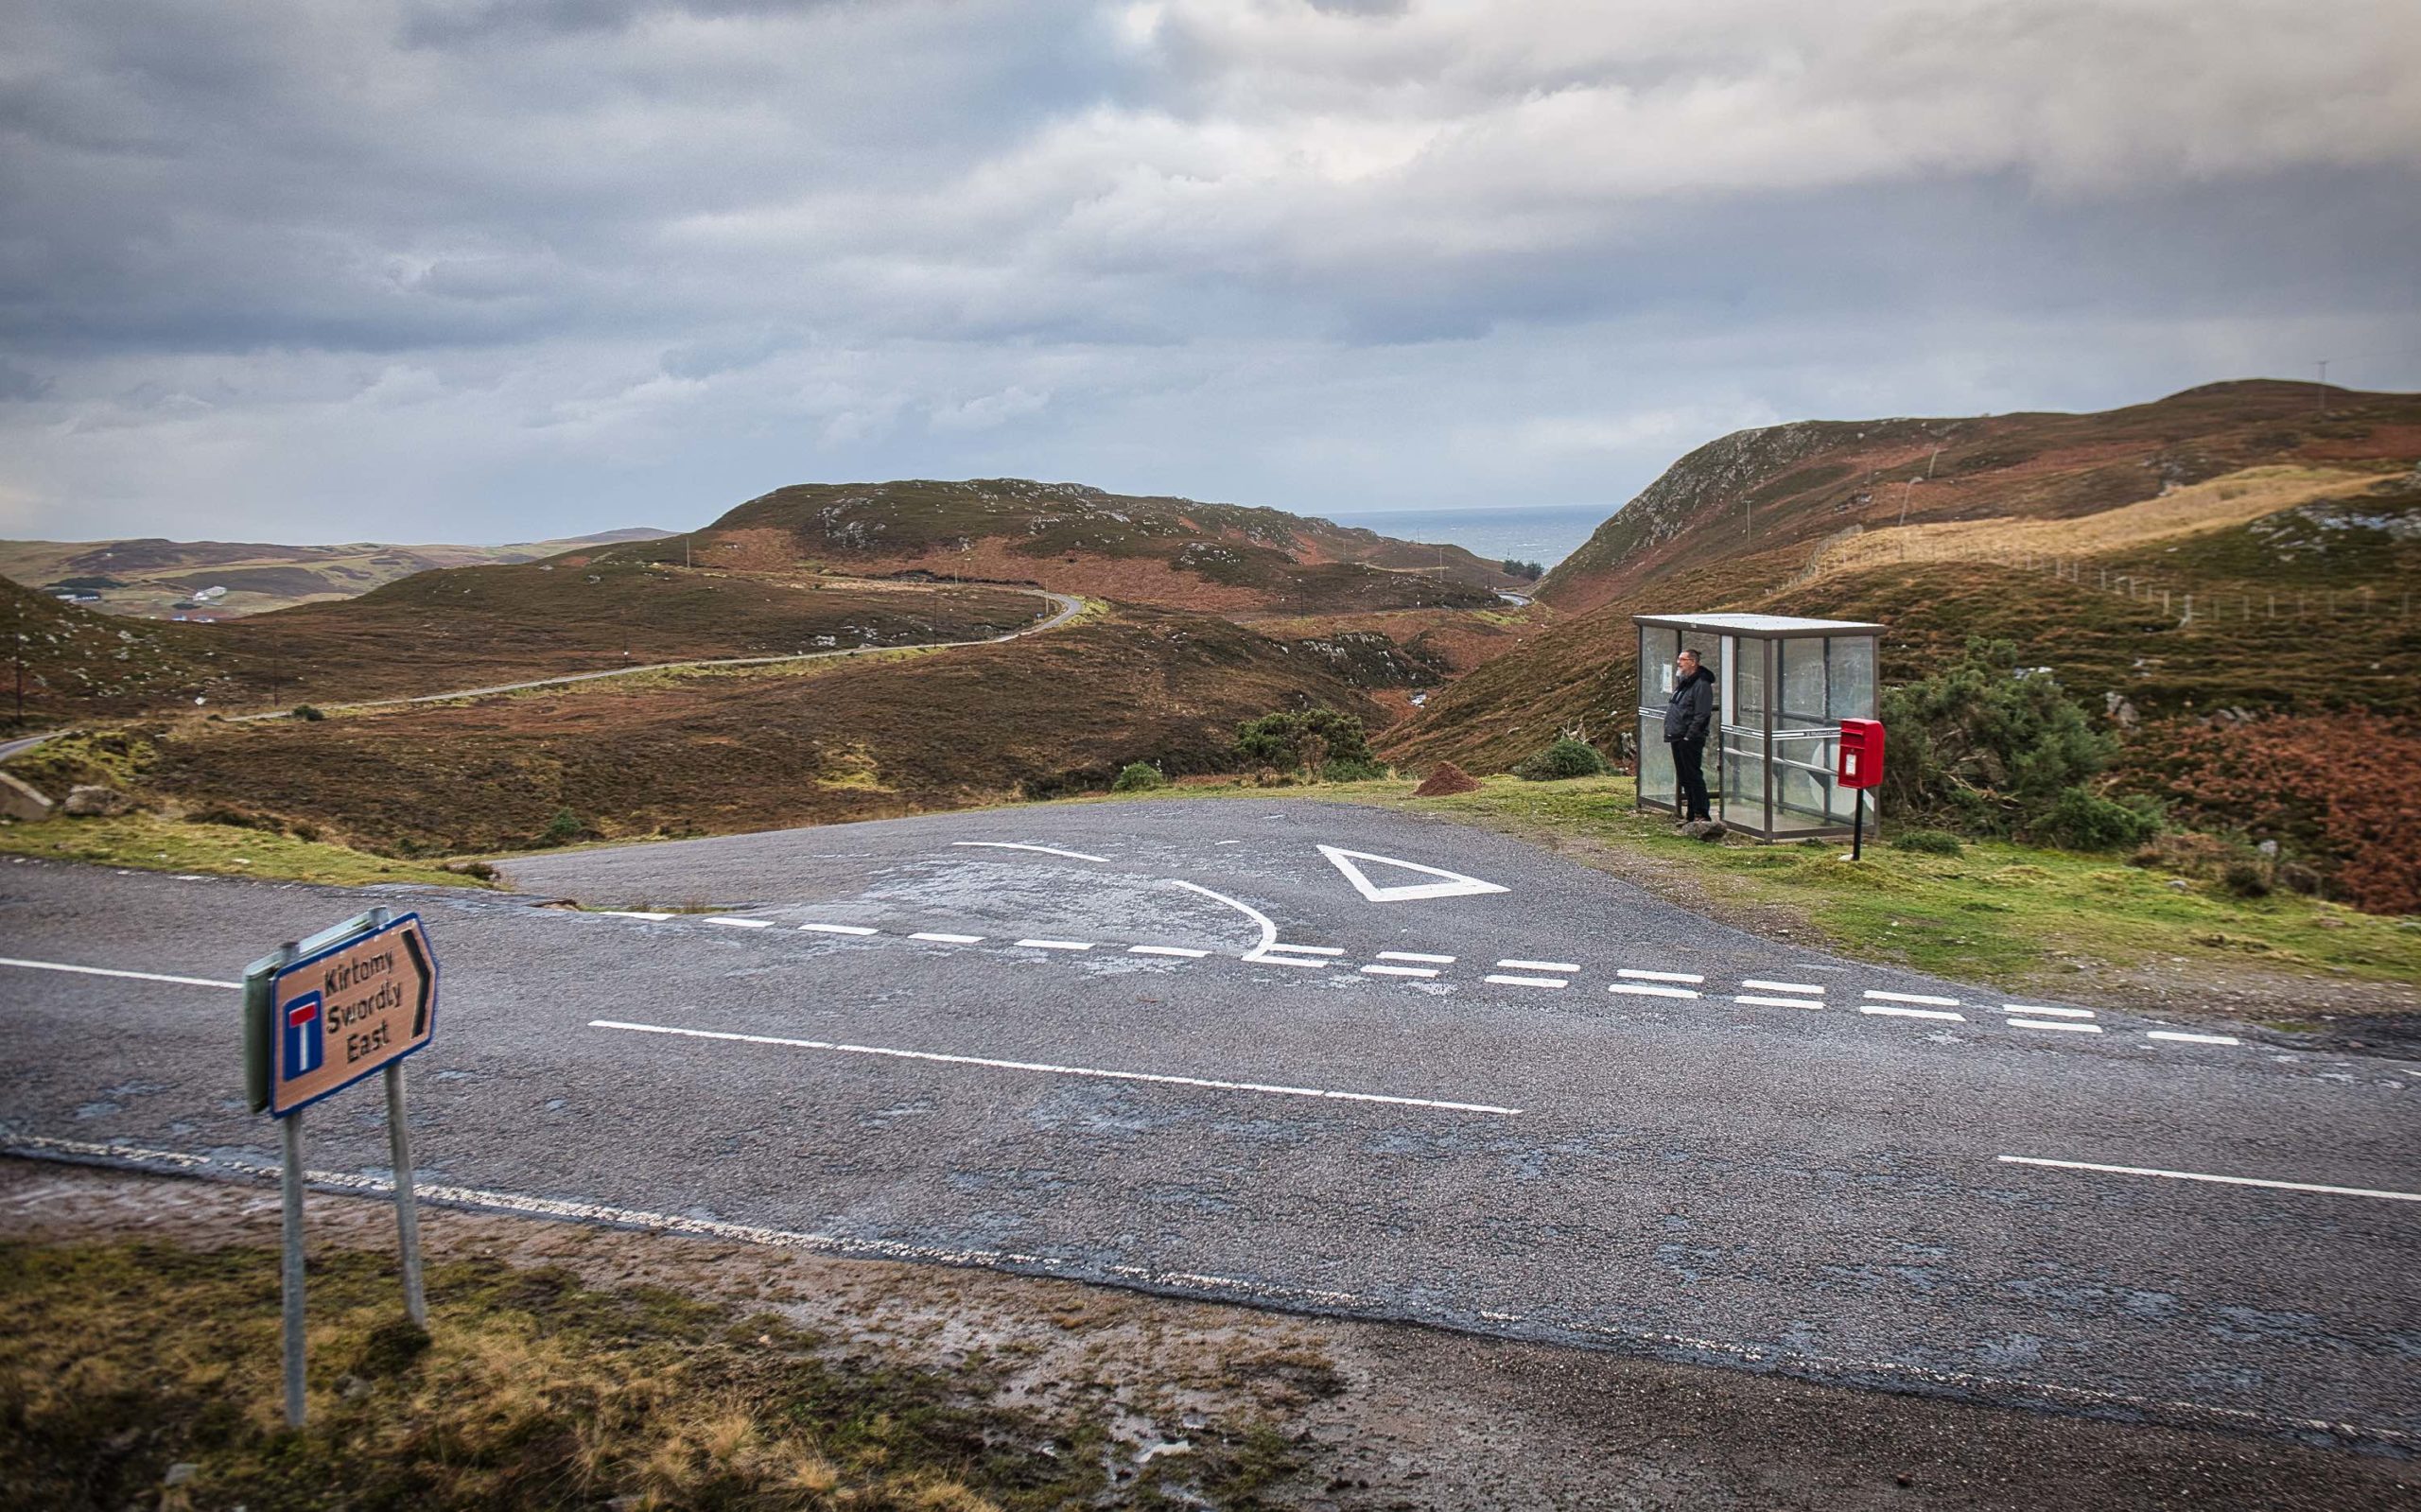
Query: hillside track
{"points": [[1323, 1059], [1065, 609]]}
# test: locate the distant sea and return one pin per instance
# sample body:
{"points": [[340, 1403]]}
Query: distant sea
{"points": [[1541, 534]]}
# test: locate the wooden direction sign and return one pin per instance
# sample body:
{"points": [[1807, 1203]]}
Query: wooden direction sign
{"points": [[344, 1004]]}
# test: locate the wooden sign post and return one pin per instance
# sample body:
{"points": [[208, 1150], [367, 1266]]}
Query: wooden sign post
{"points": [[319, 1016]]}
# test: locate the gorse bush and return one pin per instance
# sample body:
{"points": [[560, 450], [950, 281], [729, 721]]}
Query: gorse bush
{"points": [[1981, 747], [1351, 771], [1139, 776], [1306, 738], [562, 828], [1567, 757]]}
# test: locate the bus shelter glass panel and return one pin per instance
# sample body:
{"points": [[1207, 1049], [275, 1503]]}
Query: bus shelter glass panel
{"points": [[1658, 645], [1805, 742], [1850, 695], [1743, 722]]}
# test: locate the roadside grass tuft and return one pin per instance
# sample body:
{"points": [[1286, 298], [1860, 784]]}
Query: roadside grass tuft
{"points": [[531, 1389], [149, 842]]}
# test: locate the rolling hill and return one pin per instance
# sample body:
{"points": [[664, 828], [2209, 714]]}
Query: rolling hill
{"points": [[1174, 552]]}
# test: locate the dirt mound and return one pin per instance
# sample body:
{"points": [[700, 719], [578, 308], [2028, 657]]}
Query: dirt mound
{"points": [[1445, 780]]}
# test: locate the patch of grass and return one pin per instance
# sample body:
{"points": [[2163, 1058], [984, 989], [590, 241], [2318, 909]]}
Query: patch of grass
{"points": [[530, 1390], [149, 842], [2000, 913]]}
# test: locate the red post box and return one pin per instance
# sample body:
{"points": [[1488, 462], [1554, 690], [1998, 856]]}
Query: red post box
{"points": [[1862, 760]]}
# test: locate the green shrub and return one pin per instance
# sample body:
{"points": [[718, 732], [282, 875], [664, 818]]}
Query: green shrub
{"points": [[2246, 880], [1351, 770], [1567, 757], [562, 829], [304, 711], [1293, 740], [1930, 842], [1139, 776], [2078, 820]]}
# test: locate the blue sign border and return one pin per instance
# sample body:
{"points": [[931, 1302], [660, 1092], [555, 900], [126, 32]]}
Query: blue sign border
{"points": [[302, 963]]}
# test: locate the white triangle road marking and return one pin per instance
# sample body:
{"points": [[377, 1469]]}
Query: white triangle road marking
{"points": [[1455, 884]]}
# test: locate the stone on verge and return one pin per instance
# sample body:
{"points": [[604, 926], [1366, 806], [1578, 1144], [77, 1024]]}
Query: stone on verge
{"points": [[18, 801], [93, 801]]}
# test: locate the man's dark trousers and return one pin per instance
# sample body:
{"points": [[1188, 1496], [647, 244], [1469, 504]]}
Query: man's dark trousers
{"points": [[1689, 764]]}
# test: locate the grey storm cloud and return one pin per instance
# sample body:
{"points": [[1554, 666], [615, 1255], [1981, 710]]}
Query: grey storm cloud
{"points": [[548, 256]]}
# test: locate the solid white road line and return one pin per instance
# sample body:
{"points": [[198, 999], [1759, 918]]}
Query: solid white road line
{"points": [[1399, 971], [1050, 1069], [740, 923], [1528, 982], [1539, 966], [2053, 1023], [632, 914], [1691, 977], [1047, 850], [1306, 949], [1911, 1013], [839, 929], [1057, 945], [1780, 1002], [1178, 950], [1415, 955], [1635, 990], [949, 939], [104, 971], [2197, 1176], [2191, 1039], [1911, 996], [1754, 985], [2041, 1012]]}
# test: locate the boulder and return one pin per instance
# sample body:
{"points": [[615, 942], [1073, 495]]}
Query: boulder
{"points": [[1445, 780], [19, 801], [91, 801], [1711, 830]]}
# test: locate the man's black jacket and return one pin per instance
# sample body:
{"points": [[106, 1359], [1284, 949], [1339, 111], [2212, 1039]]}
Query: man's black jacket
{"points": [[1691, 709]]}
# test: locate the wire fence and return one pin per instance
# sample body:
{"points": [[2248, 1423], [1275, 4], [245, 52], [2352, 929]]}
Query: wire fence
{"points": [[2203, 603]]}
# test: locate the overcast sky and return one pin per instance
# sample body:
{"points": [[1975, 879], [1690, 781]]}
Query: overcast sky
{"points": [[489, 269]]}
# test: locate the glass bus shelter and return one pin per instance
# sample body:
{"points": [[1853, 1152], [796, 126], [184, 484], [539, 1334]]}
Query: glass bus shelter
{"points": [[1783, 686]]}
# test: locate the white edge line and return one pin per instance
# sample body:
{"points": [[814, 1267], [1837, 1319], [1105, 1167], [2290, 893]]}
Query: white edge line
{"points": [[1528, 982], [2191, 1039], [106, 971], [1047, 850], [1779, 1002], [1674, 976], [1541, 965], [1909, 1013], [1911, 996], [1057, 945], [1755, 985], [840, 929], [949, 939], [1178, 950], [1399, 971], [2199, 1175], [2054, 1023], [2040, 1011], [1631, 989], [1054, 1070], [1415, 955]]}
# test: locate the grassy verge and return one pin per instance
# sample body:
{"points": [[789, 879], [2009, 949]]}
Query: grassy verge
{"points": [[126, 1366], [149, 842], [2007, 915]]}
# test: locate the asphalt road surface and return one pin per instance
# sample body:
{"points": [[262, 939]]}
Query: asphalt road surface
{"points": [[1250, 1050]]}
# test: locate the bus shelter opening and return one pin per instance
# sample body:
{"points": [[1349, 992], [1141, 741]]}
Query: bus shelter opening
{"points": [[1783, 686]]}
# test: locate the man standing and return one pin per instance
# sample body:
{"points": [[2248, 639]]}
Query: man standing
{"points": [[1688, 715]]}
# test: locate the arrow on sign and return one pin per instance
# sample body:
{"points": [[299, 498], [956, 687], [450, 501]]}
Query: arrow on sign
{"points": [[1451, 884]]}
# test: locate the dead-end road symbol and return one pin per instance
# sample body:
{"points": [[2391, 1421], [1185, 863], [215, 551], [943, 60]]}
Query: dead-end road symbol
{"points": [[1450, 884]]}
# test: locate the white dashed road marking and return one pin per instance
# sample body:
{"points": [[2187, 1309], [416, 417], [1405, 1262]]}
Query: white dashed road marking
{"points": [[1178, 950], [1306, 949], [632, 914], [1911, 996], [2039, 1012], [2197, 1176], [1635, 989], [1048, 1068], [1263, 958], [1415, 955], [1057, 945], [1754, 985], [2054, 1023], [1047, 850], [1529, 982], [104, 971], [1691, 977], [2191, 1039], [949, 939], [839, 929], [1566, 966], [740, 923], [1399, 971], [1913, 1013], [1811, 1005]]}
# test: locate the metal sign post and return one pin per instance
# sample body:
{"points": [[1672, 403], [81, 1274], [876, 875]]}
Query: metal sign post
{"points": [[319, 1016]]}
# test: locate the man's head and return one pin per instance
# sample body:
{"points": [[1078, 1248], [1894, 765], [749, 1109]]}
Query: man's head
{"points": [[1688, 663]]}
